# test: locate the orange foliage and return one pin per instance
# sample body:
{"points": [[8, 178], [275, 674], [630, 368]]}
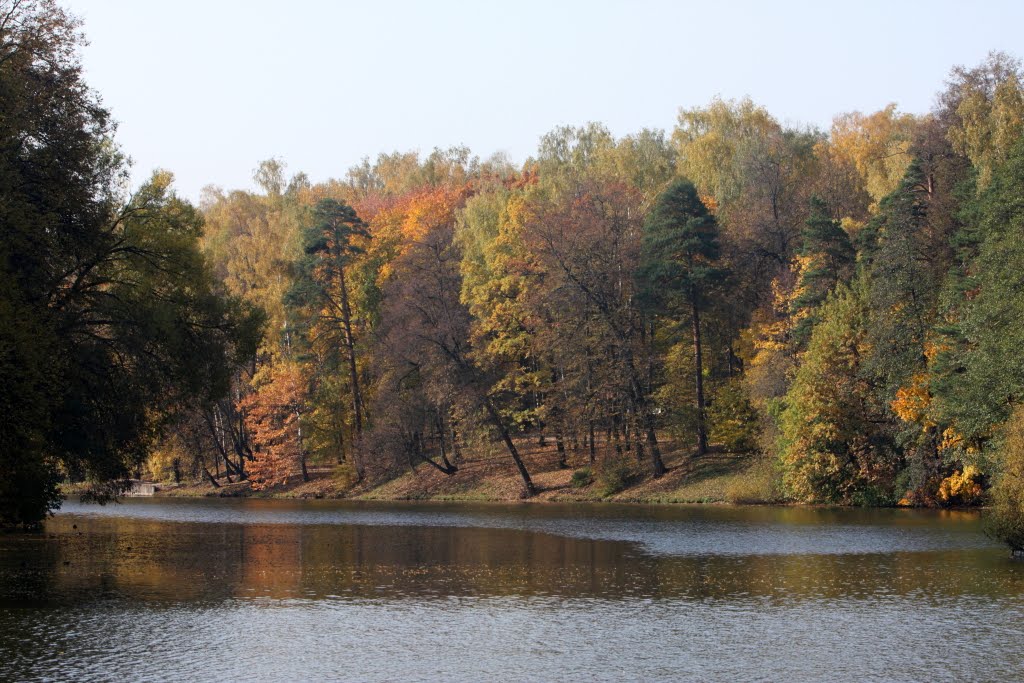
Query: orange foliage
{"points": [[709, 202], [408, 219], [272, 418]]}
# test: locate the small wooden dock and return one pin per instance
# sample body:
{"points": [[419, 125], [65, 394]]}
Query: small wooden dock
{"points": [[139, 488]]}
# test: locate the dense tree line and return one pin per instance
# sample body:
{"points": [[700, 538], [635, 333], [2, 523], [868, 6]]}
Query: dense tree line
{"points": [[109, 318], [739, 284], [845, 303]]}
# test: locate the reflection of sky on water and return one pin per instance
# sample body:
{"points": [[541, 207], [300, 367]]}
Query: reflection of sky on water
{"points": [[256, 590], [533, 639], [667, 531]]}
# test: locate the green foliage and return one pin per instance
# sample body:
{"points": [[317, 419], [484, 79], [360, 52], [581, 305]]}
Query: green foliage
{"points": [[345, 476], [1005, 521], [715, 141], [826, 258], [116, 321], [732, 419], [581, 478], [594, 289], [987, 107], [675, 397], [981, 370], [905, 282], [680, 251], [615, 474], [831, 450]]}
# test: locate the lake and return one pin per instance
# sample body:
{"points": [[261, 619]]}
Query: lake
{"points": [[242, 589]]}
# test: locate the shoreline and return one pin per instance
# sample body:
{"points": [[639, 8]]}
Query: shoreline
{"points": [[718, 479]]}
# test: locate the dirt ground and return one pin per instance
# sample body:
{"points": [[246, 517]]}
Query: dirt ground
{"points": [[717, 477]]}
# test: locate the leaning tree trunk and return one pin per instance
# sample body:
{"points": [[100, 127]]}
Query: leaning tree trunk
{"points": [[512, 450]]}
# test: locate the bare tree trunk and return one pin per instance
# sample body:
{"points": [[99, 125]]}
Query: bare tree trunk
{"points": [[657, 464], [702, 435], [456, 448], [302, 448], [213, 422], [638, 431], [626, 438], [617, 433], [421, 452], [440, 440], [593, 446], [350, 345]]}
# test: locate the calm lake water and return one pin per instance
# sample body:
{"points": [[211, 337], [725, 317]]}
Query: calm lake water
{"points": [[165, 589]]}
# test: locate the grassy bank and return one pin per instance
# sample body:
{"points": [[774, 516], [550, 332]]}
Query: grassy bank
{"points": [[717, 477]]}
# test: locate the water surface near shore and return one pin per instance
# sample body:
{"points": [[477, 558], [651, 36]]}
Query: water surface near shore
{"points": [[226, 589]]}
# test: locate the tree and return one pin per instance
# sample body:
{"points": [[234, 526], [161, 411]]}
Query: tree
{"points": [[584, 241], [877, 145], [274, 418], [424, 335], [830, 449], [825, 259], [984, 107], [331, 242], [1005, 521], [678, 269], [980, 374], [118, 323]]}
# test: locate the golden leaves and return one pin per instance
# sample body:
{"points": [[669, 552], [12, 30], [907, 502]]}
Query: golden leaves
{"points": [[961, 488], [912, 401]]}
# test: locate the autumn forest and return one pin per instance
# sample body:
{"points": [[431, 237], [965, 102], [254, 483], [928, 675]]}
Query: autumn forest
{"points": [[840, 311]]}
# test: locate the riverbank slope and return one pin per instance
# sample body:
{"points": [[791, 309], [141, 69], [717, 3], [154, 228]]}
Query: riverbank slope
{"points": [[717, 477]]}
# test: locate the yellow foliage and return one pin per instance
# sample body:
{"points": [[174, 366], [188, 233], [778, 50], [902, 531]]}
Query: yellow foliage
{"points": [[877, 145], [771, 333], [933, 348], [851, 226], [951, 439], [961, 488], [912, 401], [162, 460], [345, 476]]}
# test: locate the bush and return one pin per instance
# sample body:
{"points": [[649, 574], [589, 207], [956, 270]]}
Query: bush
{"points": [[732, 419], [615, 474], [582, 477], [345, 476]]}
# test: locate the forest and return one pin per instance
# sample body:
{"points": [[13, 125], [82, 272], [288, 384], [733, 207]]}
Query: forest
{"points": [[845, 306]]}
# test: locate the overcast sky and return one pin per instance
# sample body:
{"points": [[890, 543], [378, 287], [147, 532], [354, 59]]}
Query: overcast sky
{"points": [[208, 88]]}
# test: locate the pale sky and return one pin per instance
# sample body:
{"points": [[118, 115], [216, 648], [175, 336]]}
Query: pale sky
{"points": [[207, 89]]}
